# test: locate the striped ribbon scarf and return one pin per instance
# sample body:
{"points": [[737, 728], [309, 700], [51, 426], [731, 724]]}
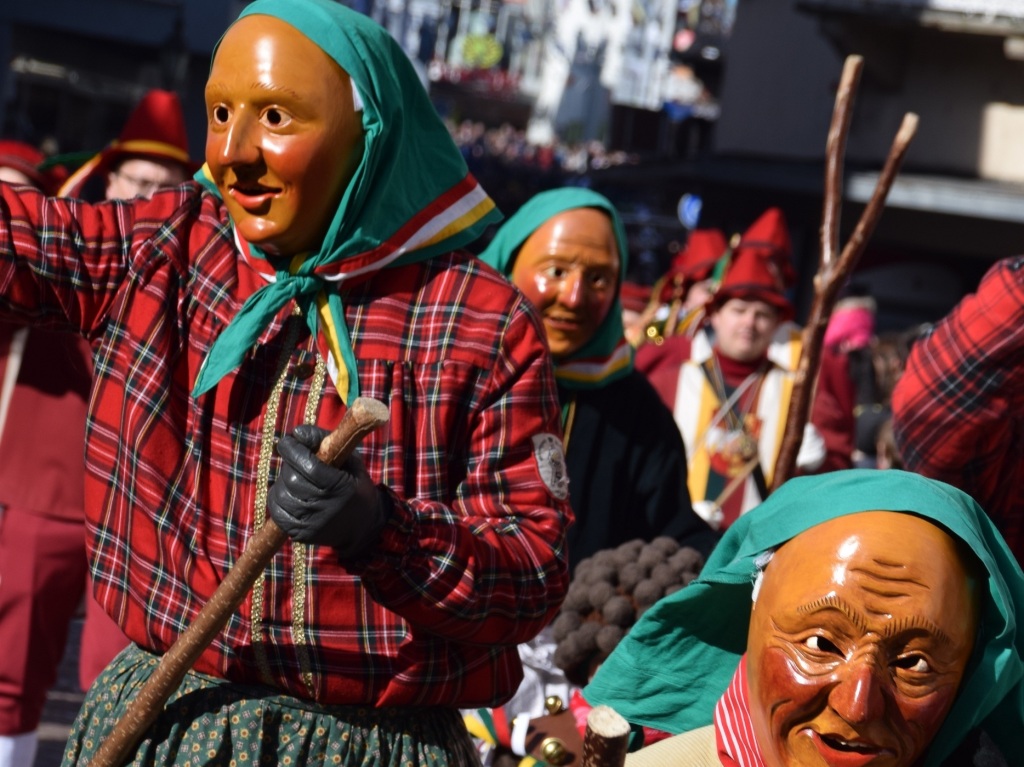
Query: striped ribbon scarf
{"points": [[734, 730], [463, 207]]}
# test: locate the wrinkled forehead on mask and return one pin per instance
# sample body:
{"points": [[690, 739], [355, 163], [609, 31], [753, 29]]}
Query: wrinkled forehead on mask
{"points": [[959, 555]]}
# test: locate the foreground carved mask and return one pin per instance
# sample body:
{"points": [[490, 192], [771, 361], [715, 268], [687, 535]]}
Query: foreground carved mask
{"points": [[858, 641]]}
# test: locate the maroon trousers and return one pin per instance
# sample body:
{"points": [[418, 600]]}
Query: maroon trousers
{"points": [[42, 584]]}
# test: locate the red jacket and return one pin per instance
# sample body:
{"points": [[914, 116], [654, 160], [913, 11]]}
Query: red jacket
{"points": [[42, 442], [831, 408], [473, 558], [958, 408]]}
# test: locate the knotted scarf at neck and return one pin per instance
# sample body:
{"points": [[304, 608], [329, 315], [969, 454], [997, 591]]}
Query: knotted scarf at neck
{"points": [[411, 197]]}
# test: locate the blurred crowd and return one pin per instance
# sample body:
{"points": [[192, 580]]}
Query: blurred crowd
{"points": [[513, 169]]}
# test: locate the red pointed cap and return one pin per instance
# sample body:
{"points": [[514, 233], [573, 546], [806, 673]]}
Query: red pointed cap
{"points": [[768, 238], [703, 249], [154, 130], [695, 262], [752, 277], [25, 159], [634, 296]]}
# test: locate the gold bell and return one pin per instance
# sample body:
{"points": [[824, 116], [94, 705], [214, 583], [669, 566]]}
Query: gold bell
{"points": [[554, 705], [554, 752]]}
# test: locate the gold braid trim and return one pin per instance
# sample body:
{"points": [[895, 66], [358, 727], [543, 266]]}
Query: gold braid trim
{"points": [[262, 486], [570, 419], [299, 552]]}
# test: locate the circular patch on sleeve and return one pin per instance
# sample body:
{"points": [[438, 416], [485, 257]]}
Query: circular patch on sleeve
{"points": [[547, 449]]}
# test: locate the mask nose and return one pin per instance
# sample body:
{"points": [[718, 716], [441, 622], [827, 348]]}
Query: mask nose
{"points": [[858, 697], [239, 146], [571, 293]]}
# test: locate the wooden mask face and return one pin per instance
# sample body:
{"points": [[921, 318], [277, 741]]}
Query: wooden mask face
{"points": [[858, 640], [283, 134], [569, 270]]}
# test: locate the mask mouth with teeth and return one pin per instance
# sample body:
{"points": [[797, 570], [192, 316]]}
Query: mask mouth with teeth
{"points": [[846, 745], [852, 745]]}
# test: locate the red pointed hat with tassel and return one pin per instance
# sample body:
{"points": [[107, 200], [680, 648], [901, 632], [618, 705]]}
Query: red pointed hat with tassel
{"points": [[696, 262], [634, 296], [155, 130], [752, 277], [768, 238], [26, 159], [703, 249]]}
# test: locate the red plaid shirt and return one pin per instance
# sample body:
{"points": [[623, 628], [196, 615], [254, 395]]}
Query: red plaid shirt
{"points": [[472, 561], [958, 409]]}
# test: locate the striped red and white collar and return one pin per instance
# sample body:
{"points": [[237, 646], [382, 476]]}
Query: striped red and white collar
{"points": [[734, 729]]}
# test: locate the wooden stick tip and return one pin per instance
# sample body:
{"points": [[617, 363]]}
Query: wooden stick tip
{"points": [[909, 125], [370, 410], [853, 65], [606, 721]]}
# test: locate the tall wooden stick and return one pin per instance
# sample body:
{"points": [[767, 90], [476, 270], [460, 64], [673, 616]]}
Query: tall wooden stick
{"points": [[835, 267], [364, 416]]}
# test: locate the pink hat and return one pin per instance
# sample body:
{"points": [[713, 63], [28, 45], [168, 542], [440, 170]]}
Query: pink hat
{"points": [[852, 325]]}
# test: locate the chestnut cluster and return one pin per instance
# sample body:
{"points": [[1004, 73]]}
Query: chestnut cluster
{"points": [[609, 591]]}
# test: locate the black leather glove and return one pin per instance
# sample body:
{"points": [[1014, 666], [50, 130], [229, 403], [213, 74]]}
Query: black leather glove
{"points": [[314, 502]]}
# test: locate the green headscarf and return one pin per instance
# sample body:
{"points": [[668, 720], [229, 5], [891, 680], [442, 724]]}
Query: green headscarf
{"points": [[411, 197], [607, 356], [676, 662]]}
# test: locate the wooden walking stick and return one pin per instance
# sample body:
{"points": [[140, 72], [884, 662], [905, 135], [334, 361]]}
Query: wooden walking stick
{"points": [[364, 416], [606, 739], [835, 267]]}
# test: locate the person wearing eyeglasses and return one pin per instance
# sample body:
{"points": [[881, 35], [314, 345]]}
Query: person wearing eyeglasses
{"points": [[139, 177], [151, 153]]}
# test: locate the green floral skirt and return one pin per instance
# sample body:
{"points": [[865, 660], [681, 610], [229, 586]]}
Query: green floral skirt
{"points": [[210, 722]]}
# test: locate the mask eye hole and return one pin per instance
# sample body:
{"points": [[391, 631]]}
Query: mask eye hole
{"points": [[275, 118], [915, 663], [821, 645]]}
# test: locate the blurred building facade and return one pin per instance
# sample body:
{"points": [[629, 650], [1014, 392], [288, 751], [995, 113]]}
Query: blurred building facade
{"points": [[75, 68], [558, 67], [958, 203], [724, 102]]}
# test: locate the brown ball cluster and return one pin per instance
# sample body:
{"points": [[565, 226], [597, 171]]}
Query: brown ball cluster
{"points": [[609, 591]]}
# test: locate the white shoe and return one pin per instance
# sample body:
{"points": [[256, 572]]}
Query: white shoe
{"points": [[18, 750]]}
